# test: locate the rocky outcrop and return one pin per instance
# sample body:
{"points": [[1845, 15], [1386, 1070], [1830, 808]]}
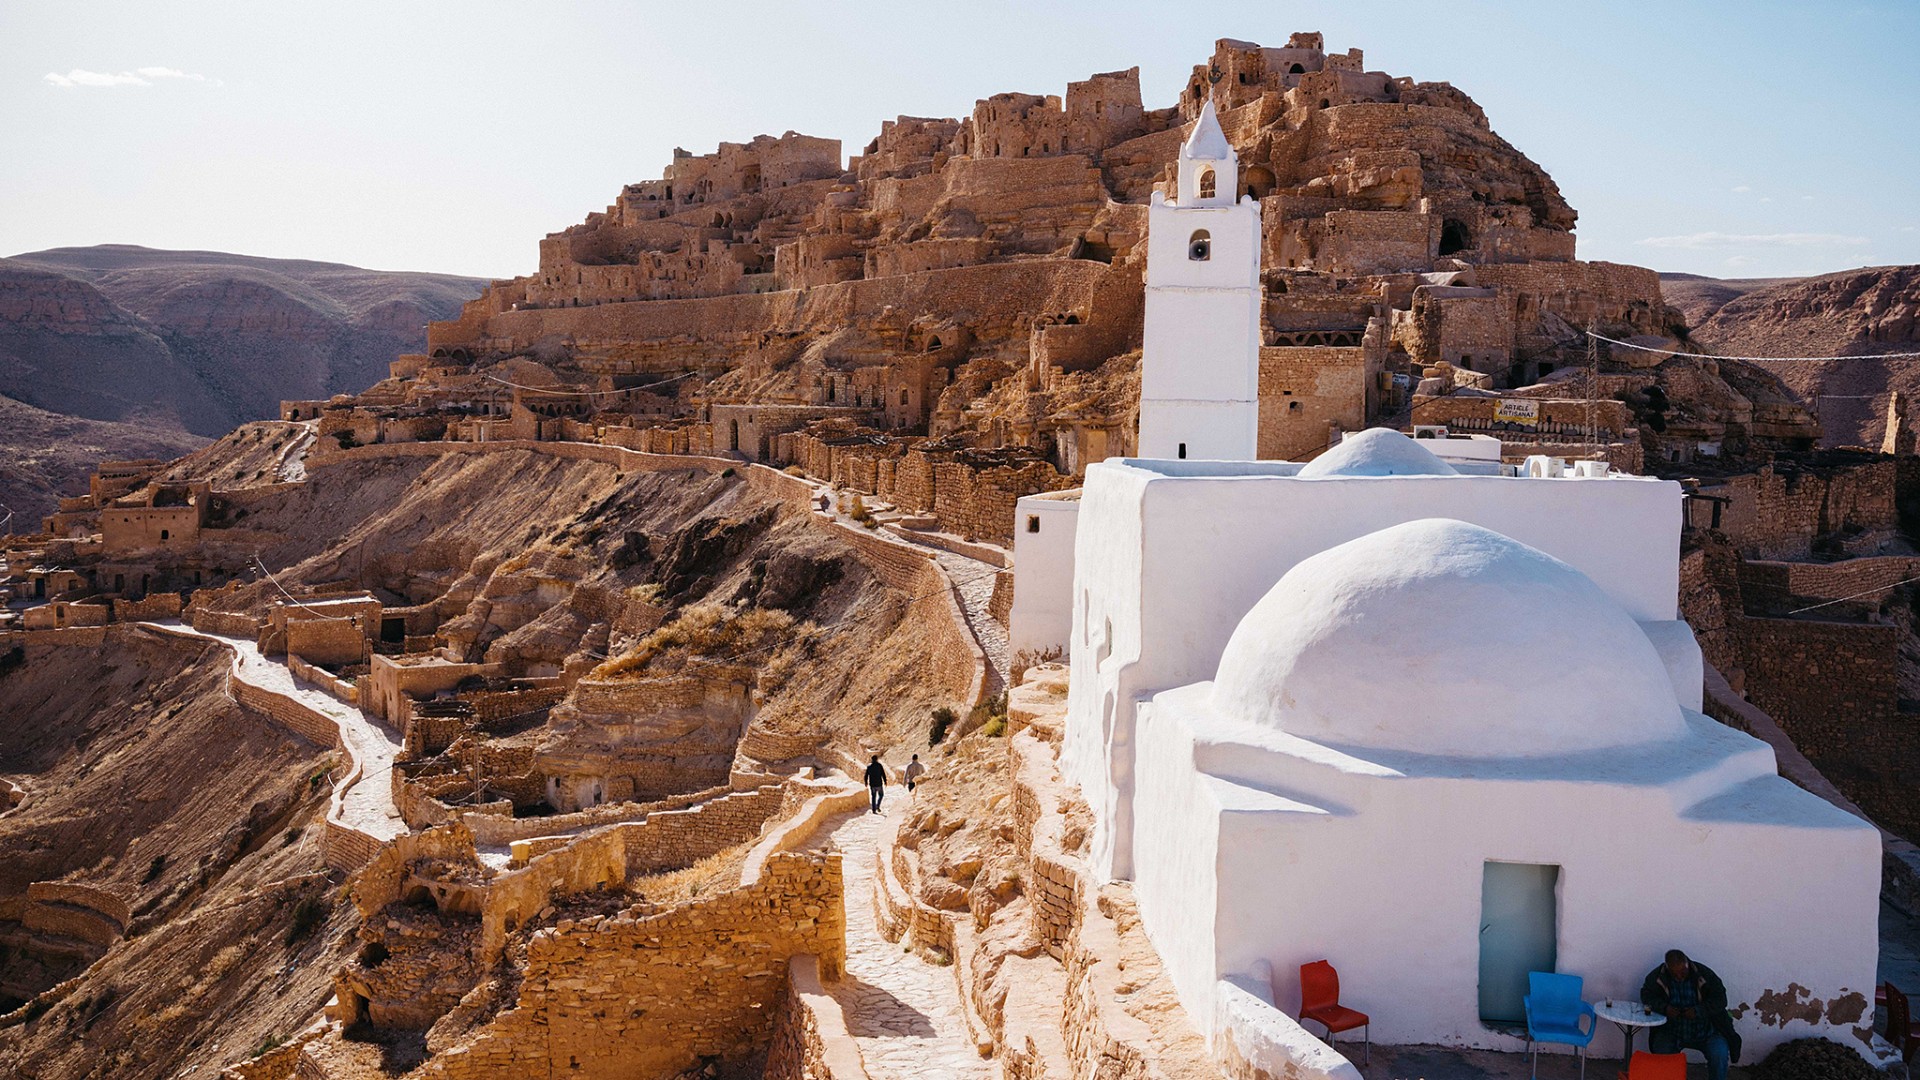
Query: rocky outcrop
{"points": [[1855, 313]]}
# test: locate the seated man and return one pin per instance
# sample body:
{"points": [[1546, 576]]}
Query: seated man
{"points": [[1694, 1001]]}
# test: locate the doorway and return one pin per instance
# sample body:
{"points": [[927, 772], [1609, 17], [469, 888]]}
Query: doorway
{"points": [[1518, 934]]}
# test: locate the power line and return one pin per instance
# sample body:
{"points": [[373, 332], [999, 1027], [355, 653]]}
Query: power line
{"points": [[296, 600], [583, 393], [1855, 596], [1750, 359]]}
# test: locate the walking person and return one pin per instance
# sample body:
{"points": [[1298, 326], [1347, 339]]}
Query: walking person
{"points": [[914, 771], [876, 783]]}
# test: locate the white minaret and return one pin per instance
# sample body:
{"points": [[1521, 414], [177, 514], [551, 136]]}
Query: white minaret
{"points": [[1200, 378]]}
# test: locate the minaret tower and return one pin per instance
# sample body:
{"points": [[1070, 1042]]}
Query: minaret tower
{"points": [[1200, 376]]}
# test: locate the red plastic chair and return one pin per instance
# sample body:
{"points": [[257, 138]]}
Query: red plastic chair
{"points": [[1646, 1066], [1320, 1002], [1902, 1031]]}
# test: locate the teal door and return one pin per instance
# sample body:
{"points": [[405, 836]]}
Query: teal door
{"points": [[1518, 929]]}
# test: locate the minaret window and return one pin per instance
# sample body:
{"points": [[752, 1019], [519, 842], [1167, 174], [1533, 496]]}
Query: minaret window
{"points": [[1206, 184], [1200, 245]]}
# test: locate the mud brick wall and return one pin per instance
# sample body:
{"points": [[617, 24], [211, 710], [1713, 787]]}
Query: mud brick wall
{"points": [[633, 994]]}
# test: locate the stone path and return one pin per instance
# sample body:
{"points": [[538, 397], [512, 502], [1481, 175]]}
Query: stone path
{"points": [[367, 803], [903, 1012], [973, 581], [292, 465]]}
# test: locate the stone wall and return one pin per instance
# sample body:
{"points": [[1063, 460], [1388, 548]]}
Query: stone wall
{"points": [[810, 1037], [160, 605], [1305, 393], [1781, 511], [69, 909], [671, 839], [639, 994]]}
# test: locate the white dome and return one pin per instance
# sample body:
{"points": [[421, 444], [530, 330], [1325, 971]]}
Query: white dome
{"points": [[1377, 452], [1440, 637]]}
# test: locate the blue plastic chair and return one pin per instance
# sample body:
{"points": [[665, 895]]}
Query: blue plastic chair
{"points": [[1554, 1013]]}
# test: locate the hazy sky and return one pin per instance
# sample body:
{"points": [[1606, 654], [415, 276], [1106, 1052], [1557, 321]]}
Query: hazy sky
{"points": [[1737, 139]]}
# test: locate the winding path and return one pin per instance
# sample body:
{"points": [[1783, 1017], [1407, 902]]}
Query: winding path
{"points": [[364, 798], [903, 1012]]}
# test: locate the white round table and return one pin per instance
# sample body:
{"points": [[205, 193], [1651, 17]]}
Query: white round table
{"points": [[1628, 1016]]}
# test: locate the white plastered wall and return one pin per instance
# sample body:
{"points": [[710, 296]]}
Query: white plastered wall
{"points": [[1043, 539], [1166, 565], [1311, 855]]}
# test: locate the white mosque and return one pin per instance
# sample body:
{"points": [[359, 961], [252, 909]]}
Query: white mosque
{"points": [[1436, 721]]}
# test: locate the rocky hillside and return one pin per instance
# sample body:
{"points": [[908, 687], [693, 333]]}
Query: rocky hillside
{"points": [[181, 343], [45, 454], [1859, 313]]}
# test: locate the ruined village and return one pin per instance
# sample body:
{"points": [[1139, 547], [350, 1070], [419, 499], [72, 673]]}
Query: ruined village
{"points": [[1276, 553]]}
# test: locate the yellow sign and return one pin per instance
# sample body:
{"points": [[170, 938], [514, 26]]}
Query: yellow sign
{"points": [[1517, 411]]}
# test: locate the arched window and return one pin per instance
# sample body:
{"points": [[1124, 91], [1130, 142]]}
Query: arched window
{"points": [[1200, 246], [1207, 185], [1297, 69], [903, 397]]}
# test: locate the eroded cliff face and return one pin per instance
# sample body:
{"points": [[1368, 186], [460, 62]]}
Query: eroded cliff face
{"points": [[1855, 314]]}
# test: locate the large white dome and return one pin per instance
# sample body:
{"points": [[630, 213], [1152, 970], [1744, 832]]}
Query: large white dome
{"points": [[1440, 637]]}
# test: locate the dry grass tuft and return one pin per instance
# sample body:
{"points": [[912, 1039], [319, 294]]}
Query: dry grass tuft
{"points": [[707, 631]]}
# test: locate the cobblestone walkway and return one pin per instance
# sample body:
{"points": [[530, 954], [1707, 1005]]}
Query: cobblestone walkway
{"points": [[904, 1013], [973, 580], [367, 805]]}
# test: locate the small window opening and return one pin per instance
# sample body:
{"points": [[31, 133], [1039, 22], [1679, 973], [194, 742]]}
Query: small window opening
{"points": [[1033, 523], [1207, 186], [1183, 451], [1297, 69], [163, 534]]}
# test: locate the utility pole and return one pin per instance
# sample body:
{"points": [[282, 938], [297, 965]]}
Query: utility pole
{"points": [[1593, 390]]}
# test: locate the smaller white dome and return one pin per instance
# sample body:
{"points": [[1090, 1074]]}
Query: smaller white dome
{"points": [[1377, 452], [1443, 638]]}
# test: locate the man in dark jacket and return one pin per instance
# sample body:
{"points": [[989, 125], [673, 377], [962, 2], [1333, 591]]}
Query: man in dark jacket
{"points": [[1694, 1001], [876, 783]]}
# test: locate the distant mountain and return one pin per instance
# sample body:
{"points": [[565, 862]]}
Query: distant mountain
{"points": [[181, 343], [1854, 313], [44, 455]]}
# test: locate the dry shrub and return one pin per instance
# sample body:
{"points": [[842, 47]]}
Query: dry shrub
{"points": [[708, 631], [715, 874], [1031, 658]]}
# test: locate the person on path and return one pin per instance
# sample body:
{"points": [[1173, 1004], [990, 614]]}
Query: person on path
{"points": [[914, 771], [1694, 1001], [876, 783]]}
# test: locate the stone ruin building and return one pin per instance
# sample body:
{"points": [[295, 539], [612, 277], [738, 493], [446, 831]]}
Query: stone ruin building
{"points": [[976, 284]]}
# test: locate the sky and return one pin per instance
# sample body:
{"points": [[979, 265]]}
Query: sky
{"points": [[1742, 138]]}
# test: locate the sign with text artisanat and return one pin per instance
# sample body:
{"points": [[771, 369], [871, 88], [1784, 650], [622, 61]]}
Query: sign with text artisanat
{"points": [[1517, 411]]}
